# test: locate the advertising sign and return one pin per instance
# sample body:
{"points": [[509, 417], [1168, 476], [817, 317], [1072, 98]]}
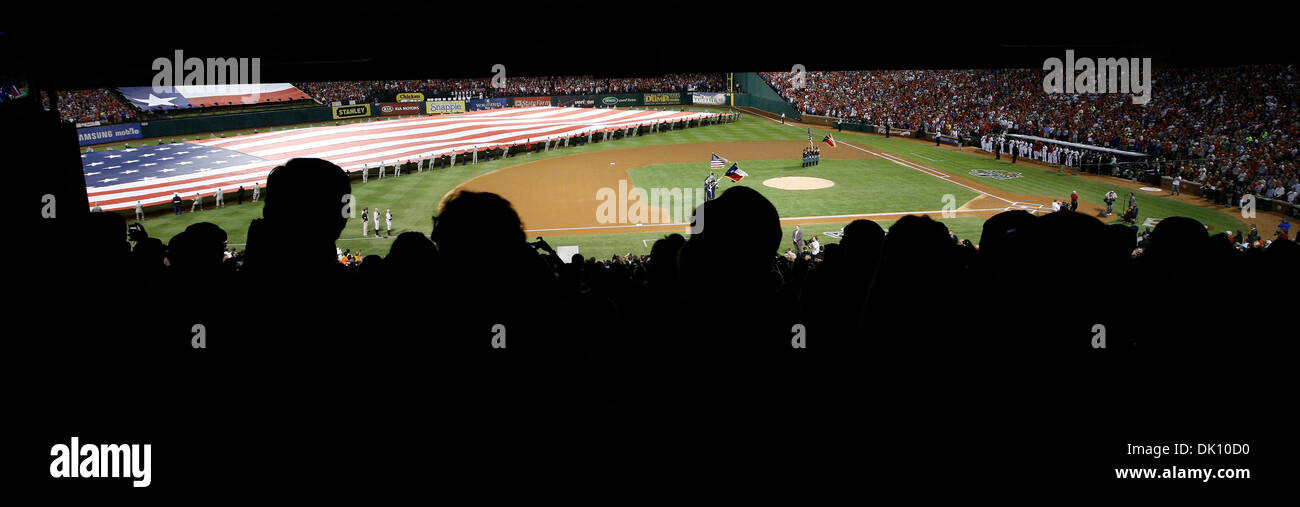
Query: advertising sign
{"points": [[444, 106], [357, 111], [399, 108], [108, 133]]}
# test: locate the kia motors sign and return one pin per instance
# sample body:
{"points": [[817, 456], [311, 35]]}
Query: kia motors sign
{"points": [[399, 108]]}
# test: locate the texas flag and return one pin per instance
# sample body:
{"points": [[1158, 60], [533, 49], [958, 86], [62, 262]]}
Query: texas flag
{"points": [[193, 96], [829, 140], [735, 173]]}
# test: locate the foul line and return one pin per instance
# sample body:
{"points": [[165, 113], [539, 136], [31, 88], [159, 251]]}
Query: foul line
{"points": [[684, 224], [905, 163], [783, 219]]}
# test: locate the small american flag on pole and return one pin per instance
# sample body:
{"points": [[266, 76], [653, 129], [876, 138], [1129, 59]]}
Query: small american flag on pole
{"points": [[717, 162]]}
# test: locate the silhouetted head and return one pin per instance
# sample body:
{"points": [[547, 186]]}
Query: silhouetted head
{"points": [[662, 266], [372, 266], [862, 239], [1175, 236], [148, 254], [914, 239], [305, 196], [1004, 232], [411, 251], [203, 246], [743, 226], [104, 239], [477, 224], [740, 230]]}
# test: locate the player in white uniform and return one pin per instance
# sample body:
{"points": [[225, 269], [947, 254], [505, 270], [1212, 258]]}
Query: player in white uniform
{"points": [[388, 222], [221, 201]]}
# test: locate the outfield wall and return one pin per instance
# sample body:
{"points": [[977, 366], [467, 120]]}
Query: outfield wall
{"points": [[825, 121], [240, 121], [760, 95]]}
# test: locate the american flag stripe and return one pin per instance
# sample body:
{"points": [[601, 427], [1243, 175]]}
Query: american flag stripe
{"points": [[117, 183], [373, 133]]}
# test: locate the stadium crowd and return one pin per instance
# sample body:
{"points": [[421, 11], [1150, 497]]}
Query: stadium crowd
{"points": [[1230, 129], [100, 104], [104, 105], [370, 91]]}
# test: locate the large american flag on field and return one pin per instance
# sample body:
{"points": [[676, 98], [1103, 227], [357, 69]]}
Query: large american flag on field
{"points": [[116, 179]]}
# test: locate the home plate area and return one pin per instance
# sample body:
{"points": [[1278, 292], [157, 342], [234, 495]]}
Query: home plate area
{"points": [[1027, 206]]}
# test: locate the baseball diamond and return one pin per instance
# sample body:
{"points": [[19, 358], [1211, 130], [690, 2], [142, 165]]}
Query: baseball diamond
{"points": [[554, 190]]}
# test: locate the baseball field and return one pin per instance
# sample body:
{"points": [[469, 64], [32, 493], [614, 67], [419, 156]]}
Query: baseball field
{"points": [[586, 196]]}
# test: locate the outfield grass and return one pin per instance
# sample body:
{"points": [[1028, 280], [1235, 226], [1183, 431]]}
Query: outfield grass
{"points": [[868, 185], [1039, 180]]}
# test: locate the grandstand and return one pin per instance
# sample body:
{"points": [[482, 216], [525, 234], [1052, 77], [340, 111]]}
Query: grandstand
{"points": [[1210, 128]]}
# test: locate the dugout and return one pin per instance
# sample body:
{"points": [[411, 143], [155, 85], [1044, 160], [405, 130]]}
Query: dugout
{"points": [[1104, 161]]}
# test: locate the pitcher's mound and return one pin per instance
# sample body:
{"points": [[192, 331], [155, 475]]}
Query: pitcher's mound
{"points": [[798, 183]]}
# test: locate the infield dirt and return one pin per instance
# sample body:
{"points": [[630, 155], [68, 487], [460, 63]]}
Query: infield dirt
{"points": [[560, 193]]}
